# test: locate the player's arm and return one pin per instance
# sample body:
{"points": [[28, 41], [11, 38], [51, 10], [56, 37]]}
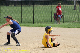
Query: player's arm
{"points": [[53, 35], [47, 37], [6, 24]]}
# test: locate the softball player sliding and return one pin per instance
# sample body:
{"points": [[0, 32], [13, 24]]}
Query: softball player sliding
{"points": [[46, 41], [16, 29]]}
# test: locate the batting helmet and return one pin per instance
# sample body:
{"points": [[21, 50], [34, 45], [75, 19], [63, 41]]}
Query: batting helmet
{"points": [[48, 29]]}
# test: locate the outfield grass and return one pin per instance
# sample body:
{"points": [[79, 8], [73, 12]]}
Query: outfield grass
{"points": [[62, 25], [42, 15]]}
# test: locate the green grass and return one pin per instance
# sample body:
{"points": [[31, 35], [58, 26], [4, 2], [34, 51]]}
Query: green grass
{"points": [[62, 25], [42, 15]]}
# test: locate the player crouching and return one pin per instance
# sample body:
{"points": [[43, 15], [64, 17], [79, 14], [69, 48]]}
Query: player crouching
{"points": [[16, 29]]}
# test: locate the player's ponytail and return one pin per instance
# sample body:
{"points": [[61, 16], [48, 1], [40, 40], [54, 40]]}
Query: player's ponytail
{"points": [[13, 19], [16, 21]]}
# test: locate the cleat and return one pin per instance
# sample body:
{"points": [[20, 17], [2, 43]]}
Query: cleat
{"points": [[58, 44], [18, 44], [6, 43]]}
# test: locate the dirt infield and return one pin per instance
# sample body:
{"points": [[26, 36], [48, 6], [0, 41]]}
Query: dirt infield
{"points": [[31, 41]]}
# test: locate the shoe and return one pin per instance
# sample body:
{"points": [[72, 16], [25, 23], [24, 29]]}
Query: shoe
{"points": [[18, 44], [58, 44], [7, 43]]}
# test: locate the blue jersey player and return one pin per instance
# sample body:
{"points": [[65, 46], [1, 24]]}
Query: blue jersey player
{"points": [[16, 29]]}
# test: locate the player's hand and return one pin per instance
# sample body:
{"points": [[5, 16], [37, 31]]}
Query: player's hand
{"points": [[50, 47], [57, 35], [57, 13]]}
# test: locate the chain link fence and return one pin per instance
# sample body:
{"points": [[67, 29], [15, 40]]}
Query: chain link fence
{"points": [[38, 11]]}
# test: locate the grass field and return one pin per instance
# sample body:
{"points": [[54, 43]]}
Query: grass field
{"points": [[42, 15], [62, 25]]}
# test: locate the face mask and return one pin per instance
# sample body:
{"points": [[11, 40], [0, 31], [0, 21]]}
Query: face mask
{"points": [[51, 31]]}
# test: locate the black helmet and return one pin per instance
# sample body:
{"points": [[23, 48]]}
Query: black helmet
{"points": [[48, 29]]}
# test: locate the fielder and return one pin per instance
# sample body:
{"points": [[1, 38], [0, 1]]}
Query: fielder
{"points": [[46, 41], [16, 29]]}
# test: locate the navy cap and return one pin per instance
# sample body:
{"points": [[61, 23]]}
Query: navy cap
{"points": [[8, 17]]}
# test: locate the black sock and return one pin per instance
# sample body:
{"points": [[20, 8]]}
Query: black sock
{"points": [[15, 39], [8, 37]]}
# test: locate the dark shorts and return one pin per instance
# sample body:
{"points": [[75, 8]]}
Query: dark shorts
{"points": [[15, 31]]}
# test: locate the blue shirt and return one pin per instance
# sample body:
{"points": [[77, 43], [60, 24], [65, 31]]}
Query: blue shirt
{"points": [[15, 26]]}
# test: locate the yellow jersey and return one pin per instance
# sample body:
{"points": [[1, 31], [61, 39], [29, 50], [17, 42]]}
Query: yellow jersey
{"points": [[44, 40]]}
